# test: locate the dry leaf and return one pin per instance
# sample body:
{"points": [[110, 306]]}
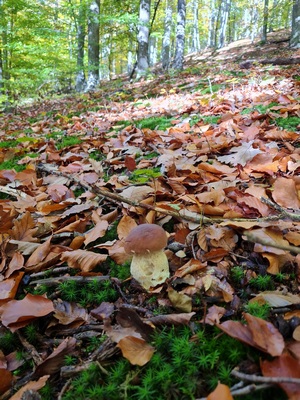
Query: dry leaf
{"points": [[81, 259], [137, 351], [221, 392]]}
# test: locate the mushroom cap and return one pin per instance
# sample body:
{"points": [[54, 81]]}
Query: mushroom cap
{"points": [[145, 238]]}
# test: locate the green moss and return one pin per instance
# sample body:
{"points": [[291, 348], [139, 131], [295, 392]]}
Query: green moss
{"points": [[262, 282], [159, 123], [31, 333], [237, 274], [68, 141], [8, 342], [207, 119], [258, 310], [6, 144], [289, 123], [144, 175], [263, 109], [12, 164]]}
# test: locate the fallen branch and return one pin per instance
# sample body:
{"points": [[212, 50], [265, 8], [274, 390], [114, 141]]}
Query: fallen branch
{"points": [[192, 217], [264, 379], [251, 237], [60, 279]]}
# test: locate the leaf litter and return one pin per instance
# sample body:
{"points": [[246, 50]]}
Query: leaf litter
{"points": [[79, 186]]}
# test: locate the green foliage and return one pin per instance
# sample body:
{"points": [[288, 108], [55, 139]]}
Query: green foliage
{"points": [[181, 368], [68, 141], [237, 274], [262, 282], [47, 392], [8, 341], [31, 333], [263, 109], [121, 272], [207, 119], [144, 175], [70, 360], [6, 144], [159, 123], [258, 310], [290, 123]]}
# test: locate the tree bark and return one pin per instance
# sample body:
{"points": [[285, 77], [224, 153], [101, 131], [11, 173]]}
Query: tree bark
{"points": [[265, 21], [143, 38], [295, 36], [212, 24], [93, 45], [80, 77], [224, 13], [166, 44], [180, 35], [195, 36]]}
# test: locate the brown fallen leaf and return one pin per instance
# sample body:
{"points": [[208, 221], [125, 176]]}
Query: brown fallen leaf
{"points": [[32, 385], [55, 361], [284, 366], [258, 333], [18, 313], [81, 259], [137, 351], [221, 392], [6, 380]]}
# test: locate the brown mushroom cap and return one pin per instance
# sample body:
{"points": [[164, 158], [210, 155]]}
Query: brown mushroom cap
{"points": [[145, 238]]}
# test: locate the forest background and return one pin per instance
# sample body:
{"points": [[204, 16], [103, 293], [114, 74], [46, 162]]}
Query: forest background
{"points": [[56, 46]]}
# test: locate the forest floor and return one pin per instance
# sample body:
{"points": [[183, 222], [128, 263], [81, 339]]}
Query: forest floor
{"points": [[212, 155]]}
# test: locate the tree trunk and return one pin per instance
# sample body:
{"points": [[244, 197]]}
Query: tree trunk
{"points": [[93, 45], [166, 43], [180, 35], [195, 36], [80, 77], [224, 13], [212, 25], [143, 38], [295, 36], [265, 21]]}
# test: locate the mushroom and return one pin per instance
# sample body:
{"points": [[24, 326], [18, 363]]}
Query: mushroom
{"points": [[149, 265]]}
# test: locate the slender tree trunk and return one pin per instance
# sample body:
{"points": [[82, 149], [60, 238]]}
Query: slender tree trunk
{"points": [[195, 36], [254, 20], [166, 43], [80, 77], [212, 25], [143, 38], [265, 21], [295, 36], [93, 45], [224, 13], [180, 35]]}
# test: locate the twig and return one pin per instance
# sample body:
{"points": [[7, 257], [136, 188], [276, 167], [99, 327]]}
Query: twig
{"points": [[254, 239], [287, 214], [196, 218], [250, 389], [60, 279], [264, 379]]}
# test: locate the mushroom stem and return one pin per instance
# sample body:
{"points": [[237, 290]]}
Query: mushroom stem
{"points": [[150, 269]]}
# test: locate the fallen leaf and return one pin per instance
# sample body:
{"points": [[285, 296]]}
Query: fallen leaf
{"points": [[137, 351], [81, 259], [221, 392]]}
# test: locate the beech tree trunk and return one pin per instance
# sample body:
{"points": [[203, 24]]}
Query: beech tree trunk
{"points": [[195, 36], [180, 35], [80, 77], [265, 21], [93, 45], [143, 38], [295, 36], [212, 24], [166, 43], [224, 13]]}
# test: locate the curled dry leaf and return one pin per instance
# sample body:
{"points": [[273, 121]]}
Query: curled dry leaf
{"points": [[19, 313], [258, 333], [137, 351], [180, 301], [55, 361], [81, 259], [276, 298], [97, 232]]}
